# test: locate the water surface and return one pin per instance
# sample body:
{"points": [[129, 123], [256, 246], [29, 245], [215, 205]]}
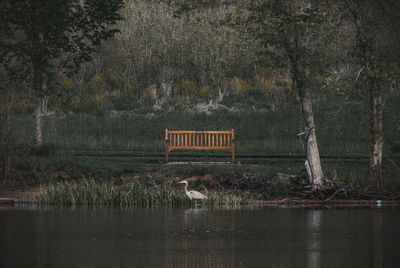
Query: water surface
{"points": [[269, 237]]}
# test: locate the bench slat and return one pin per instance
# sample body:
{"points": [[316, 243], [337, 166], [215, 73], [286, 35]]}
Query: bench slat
{"points": [[171, 148], [199, 140], [200, 132]]}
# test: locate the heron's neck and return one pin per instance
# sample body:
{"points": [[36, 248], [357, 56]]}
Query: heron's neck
{"points": [[186, 188]]}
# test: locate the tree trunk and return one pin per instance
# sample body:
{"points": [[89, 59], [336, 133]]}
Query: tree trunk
{"points": [[37, 81], [313, 163], [38, 121], [38, 113], [375, 133], [365, 44]]}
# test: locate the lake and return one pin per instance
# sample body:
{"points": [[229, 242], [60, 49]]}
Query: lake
{"points": [[265, 237]]}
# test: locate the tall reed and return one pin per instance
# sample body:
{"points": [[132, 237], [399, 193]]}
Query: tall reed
{"points": [[93, 193]]}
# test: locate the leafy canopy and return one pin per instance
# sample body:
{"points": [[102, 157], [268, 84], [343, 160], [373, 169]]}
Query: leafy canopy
{"points": [[289, 27], [45, 34]]}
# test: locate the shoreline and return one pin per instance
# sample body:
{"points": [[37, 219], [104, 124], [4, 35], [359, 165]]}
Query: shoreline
{"points": [[157, 185], [11, 201]]}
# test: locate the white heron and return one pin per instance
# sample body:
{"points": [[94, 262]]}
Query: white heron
{"points": [[193, 195]]}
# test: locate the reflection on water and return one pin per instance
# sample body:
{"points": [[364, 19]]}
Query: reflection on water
{"points": [[199, 238], [314, 238], [377, 243]]}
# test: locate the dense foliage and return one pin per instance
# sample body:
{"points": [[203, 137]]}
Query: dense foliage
{"points": [[172, 57], [207, 53]]}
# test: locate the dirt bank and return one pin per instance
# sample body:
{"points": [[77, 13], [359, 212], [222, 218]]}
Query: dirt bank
{"points": [[280, 190]]}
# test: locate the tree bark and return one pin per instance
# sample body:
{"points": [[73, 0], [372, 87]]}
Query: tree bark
{"points": [[313, 158], [38, 113], [376, 139], [365, 44], [313, 162], [38, 121], [37, 75]]}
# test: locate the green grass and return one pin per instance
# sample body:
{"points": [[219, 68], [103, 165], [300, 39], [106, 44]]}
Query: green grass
{"points": [[105, 182], [33, 169], [90, 192], [96, 181], [342, 129]]}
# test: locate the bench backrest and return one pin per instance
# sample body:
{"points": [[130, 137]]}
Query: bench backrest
{"points": [[200, 140]]}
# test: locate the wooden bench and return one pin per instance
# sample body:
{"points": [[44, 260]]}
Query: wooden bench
{"points": [[199, 140]]}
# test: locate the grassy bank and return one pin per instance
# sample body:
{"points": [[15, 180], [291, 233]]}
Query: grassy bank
{"points": [[90, 192], [342, 129], [53, 167], [122, 181], [154, 185]]}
